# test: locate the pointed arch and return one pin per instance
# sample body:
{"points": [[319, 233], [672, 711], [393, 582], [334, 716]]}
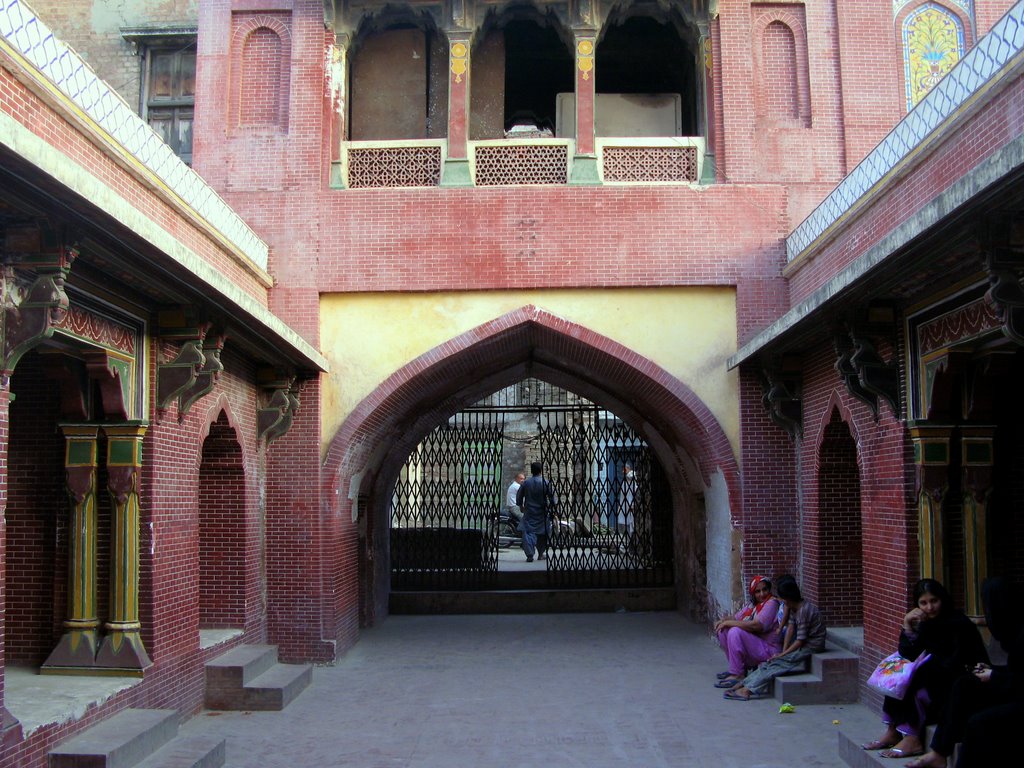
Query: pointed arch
{"points": [[365, 455], [836, 403]]}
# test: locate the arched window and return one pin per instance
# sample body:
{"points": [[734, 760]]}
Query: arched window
{"points": [[647, 77], [398, 80], [522, 62], [933, 42]]}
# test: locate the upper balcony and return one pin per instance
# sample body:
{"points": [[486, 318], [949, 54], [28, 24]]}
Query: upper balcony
{"points": [[525, 96]]}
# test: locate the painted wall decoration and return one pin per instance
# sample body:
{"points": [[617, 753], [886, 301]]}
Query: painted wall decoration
{"points": [[933, 42]]}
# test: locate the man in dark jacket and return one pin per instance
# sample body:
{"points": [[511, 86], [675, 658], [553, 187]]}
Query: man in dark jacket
{"points": [[537, 501]]}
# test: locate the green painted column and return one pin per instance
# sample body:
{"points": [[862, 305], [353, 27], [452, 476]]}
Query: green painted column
{"points": [[76, 651], [122, 647], [977, 459], [931, 460]]}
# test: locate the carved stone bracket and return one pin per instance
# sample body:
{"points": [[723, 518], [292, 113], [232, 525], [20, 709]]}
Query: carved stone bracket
{"points": [[1005, 293], [865, 373], [207, 376], [848, 372], [276, 418], [875, 375], [46, 255], [174, 379], [782, 396]]}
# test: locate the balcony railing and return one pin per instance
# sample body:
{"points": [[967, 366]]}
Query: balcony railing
{"points": [[392, 163], [652, 160], [523, 161]]}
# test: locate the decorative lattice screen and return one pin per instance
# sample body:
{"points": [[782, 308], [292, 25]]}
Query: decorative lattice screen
{"points": [[394, 167], [650, 164], [522, 164]]}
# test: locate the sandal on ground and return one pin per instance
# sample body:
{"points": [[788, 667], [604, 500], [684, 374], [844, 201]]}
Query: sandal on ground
{"points": [[897, 753], [723, 675], [737, 696], [924, 763], [727, 682], [871, 746]]}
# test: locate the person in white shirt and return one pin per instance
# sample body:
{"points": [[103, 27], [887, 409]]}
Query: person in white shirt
{"points": [[510, 498]]}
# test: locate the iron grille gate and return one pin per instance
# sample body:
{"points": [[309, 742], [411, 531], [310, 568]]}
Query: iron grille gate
{"points": [[610, 530], [444, 504]]}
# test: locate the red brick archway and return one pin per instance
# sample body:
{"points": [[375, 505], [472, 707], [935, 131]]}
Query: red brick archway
{"points": [[364, 456]]}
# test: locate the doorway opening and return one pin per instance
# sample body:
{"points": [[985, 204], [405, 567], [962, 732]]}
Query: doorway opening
{"points": [[611, 524]]}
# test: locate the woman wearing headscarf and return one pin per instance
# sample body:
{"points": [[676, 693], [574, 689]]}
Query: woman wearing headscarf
{"points": [[983, 687], [752, 635], [932, 626]]}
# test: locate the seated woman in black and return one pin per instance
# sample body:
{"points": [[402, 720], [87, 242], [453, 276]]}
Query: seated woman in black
{"points": [[936, 627], [983, 687]]}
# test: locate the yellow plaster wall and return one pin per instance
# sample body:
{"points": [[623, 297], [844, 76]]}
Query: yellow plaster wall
{"points": [[690, 332]]}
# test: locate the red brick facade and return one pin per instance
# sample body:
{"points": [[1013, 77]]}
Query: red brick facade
{"points": [[289, 546]]}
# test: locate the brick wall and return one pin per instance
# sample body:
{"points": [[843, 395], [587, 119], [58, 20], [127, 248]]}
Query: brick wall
{"points": [[888, 516], [995, 124], [35, 115], [833, 542], [36, 501], [222, 529], [305, 616], [770, 513]]}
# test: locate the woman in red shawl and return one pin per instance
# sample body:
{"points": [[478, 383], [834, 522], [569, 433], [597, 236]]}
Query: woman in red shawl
{"points": [[751, 636]]}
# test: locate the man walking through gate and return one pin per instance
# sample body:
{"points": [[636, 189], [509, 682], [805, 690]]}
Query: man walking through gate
{"points": [[537, 501]]}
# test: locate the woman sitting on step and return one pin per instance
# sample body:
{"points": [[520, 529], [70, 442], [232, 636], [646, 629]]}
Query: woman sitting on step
{"points": [[752, 635], [936, 627], [984, 689]]}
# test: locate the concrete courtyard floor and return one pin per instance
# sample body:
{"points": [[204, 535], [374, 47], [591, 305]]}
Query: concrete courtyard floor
{"points": [[588, 690]]}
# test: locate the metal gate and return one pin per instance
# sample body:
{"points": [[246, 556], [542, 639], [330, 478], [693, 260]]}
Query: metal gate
{"points": [[443, 508], [609, 530]]}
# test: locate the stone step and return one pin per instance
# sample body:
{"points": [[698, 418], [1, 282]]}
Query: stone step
{"points": [[121, 741], [832, 679], [249, 678], [238, 666], [851, 752], [199, 751]]}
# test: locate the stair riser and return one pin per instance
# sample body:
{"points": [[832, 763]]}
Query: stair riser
{"points": [[833, 667], [820, 692], [259, 698], [223, 672], [203, 752]]}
